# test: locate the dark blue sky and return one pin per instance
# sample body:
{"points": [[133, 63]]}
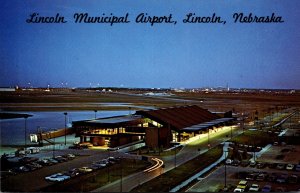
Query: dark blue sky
{"points": [[141, 55]]}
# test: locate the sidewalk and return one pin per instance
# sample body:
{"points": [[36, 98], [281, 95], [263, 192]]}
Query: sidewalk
{"points": [[258, 154]]}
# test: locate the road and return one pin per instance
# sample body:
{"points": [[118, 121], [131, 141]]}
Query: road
{"points": [[188, 152]]}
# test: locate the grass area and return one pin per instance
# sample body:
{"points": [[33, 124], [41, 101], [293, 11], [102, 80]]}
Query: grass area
{"points": [[170, 179], [13, 115], [255, 138], [49, 101], [279, 118], [99, 178]]}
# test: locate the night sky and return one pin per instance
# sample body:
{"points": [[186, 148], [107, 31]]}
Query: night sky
{"points": [[140, 55]]}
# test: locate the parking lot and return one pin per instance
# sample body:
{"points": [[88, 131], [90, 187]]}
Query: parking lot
{"points": [[278, 179], [32, 173], [282, 154], [277, 169]]}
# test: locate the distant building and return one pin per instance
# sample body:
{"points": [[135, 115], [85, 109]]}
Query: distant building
{"points": [[7, 89]]}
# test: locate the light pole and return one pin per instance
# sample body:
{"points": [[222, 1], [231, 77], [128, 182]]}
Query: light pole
{"points": [[208, 144], [53, 151], [121, 188], [225, 175], [175, 155], [129, 110], [242, 121], [65, 113], [95, 113], [25, 132], [108, 176]]}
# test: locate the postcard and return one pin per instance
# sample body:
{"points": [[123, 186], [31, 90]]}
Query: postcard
{"points": [[150, 96]]}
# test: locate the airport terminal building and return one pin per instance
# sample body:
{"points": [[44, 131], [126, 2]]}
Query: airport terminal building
{"points": [[158, 128]]}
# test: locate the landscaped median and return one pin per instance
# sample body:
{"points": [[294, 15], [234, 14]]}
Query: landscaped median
{"points": [[255, 138], [170, 179]]}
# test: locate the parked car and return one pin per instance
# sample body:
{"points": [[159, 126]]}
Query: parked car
{"points": [[33, 150], [272, 165], [99, 165], [297, 168], [280, 189], [22, 169], [289, 166], [267, 188], [70, 156], [35, 164], [59, 177], [44, 162], [75, 170], [242, 184], [235, 162], [282, 178], [238, 190], [252, 163], [28, 159], [95, 166], [85, 145], [60, 159], [104, 161], [245, 163], [254, 188], [111, 159], [272, 177], [280, 166], [85, 169], [71, 173], [75, 147], [228, 162], [261, 165], [30, 167], [293, 179], [52, 160], [251, 176], [261, 177]]}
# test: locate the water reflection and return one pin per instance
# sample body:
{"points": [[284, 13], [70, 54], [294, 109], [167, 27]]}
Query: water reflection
{"points": [[12, 130]]}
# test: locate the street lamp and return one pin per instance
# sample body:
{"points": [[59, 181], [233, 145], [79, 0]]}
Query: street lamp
{"points": [[53, 150], [53, 136], [121, 188], [95, 113], [129, 110], [208, 144], [65, 113], [25, 132], [175, 155], [108, 175], [225, 175]]}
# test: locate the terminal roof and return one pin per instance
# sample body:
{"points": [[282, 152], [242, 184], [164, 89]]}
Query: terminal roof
{"points": [[116, 121], [184, 118]]}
